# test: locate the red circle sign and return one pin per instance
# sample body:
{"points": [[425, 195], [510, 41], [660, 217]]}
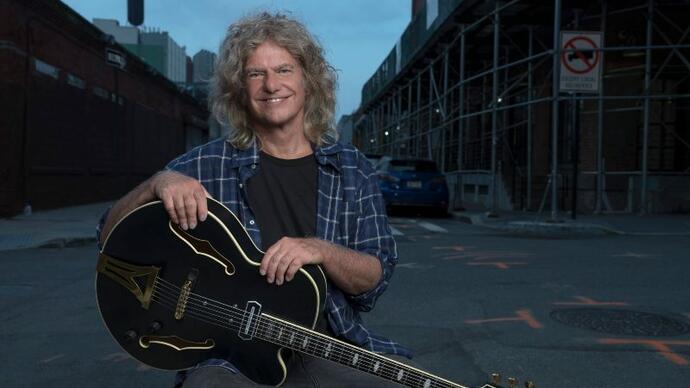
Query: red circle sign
{"points": [[581, 63]]}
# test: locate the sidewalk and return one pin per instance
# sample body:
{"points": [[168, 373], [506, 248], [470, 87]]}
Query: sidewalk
{"points": [[76, 225], [70, 226], [534, 225]]}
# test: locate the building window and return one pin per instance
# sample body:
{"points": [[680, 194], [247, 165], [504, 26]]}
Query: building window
{"points": [[75, 81], [47, 69], [100, 92]]}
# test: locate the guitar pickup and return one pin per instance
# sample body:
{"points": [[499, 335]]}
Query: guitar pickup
{"points": [[250, 319]]}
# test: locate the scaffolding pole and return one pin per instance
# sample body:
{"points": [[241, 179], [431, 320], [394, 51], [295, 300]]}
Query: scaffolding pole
{"points": [[647, 89], [494, 111], [530, 49], [600, 119], [554, 107], [461, 122]]}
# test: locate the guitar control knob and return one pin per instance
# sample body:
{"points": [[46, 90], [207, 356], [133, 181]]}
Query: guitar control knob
{"points": [[154, 327], [512, 381], [130, 335], [529, 384], [495, 378]]}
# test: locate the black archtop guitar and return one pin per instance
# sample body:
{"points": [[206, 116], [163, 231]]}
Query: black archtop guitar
{"points": [[173, 298]]}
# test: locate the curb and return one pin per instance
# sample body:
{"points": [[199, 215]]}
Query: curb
{"points": [[540, 228], [66, 242]]}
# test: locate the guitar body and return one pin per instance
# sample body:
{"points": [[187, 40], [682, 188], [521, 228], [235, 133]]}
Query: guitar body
{"points": [[155, 280]]}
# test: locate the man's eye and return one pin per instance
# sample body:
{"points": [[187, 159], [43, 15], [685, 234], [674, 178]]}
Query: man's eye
{"points": [[254, 74], [285, 71]]}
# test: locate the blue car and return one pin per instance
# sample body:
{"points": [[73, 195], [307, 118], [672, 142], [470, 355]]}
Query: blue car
{"points": [[413, 183]]}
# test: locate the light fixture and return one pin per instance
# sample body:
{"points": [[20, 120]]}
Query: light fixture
{"points": [[386, 133]]}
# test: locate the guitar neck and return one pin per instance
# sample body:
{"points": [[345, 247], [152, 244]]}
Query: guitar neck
{"points": [[297, 338]]}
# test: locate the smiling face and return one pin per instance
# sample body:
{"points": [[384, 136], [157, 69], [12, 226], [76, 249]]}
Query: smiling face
{"points": [[275, 87]]}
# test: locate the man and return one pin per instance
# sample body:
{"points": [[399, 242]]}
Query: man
{"points": [[303, 197]]}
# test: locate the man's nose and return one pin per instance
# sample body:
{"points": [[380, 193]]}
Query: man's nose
{"points": [[271, 83]]}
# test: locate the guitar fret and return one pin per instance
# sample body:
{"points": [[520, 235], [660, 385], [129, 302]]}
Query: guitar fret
{"points": [[315, 345]]}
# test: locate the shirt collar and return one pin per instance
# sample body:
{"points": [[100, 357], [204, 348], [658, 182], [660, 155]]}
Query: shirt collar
{"points": [[325, 155]]}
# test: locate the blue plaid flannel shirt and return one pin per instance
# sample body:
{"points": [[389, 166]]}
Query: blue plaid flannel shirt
{"points": [[350, 212]]}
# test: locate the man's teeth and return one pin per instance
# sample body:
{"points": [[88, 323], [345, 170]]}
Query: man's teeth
{"points": [[275, 99]]}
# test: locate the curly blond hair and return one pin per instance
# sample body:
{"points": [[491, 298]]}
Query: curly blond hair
{"points": [[227, 95]]}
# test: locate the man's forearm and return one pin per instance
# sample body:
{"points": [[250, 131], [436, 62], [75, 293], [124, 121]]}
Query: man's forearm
{"points": [[135, 198], [353, 272]]}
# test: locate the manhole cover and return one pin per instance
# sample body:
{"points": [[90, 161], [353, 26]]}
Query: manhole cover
{"points": [[621, 322]]}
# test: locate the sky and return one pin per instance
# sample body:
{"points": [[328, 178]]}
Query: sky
{"points": [[356, 34]]}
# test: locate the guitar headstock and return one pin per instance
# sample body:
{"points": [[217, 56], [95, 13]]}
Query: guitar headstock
{"points": [[495, 381]]}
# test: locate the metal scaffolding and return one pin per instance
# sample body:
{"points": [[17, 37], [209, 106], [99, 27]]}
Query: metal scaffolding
{"points": [[482, 99]]}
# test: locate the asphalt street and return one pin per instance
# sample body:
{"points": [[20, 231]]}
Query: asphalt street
{"points": [[597, 312]]}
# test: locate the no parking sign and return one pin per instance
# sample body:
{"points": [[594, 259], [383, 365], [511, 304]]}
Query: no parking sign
{"points": [[580, 61]]}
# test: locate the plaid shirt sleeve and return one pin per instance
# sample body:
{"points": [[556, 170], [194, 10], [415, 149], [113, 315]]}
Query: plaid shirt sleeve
{"points": [[373, 236]]}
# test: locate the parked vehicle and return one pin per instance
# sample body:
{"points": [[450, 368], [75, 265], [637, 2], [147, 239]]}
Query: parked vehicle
{"points": [[413, 183]]}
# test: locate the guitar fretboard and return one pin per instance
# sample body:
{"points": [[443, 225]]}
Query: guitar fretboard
{"points": [[309, 342]]}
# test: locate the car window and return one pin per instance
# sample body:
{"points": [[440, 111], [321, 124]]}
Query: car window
{"points": [[413, 165]]}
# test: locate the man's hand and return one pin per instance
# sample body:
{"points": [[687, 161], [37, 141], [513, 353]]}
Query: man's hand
{"points": [[284, 258], [184, 198], [353, 272]]}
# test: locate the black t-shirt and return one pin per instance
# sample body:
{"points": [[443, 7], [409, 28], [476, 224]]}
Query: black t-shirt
{"points": [[282, 195]]}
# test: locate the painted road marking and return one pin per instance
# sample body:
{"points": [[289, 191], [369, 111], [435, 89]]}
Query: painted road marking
{"points": [[520, 315], [498, 264], [395, 231], [432, 227], [414, 265], [632, 254], [661, 347], [584, 301], [423, 237], [458, 248], [51, 359], [116, 357]]}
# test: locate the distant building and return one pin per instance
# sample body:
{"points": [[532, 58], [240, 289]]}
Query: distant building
{"points": [[155, 47], [189, 73], [124, 35], [162, 52], [203, 65]]}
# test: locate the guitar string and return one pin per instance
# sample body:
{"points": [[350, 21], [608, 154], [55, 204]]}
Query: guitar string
{"points": [[413, 375], [388, 371], [171, 305], [342, 352]]}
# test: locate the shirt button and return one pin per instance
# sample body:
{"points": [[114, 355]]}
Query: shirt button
{"points": [[241, 185], [251, 222], [253, 166]]}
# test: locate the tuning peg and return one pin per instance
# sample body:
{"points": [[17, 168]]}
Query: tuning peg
{"points": [[495, 378], [529, 384]]}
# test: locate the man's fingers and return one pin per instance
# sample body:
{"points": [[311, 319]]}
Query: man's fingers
{"points": [[263, 268], [202, 206], [282, 267], [180, 211], [272, 269], [169, 206], [190, 208], [295, 265]]}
